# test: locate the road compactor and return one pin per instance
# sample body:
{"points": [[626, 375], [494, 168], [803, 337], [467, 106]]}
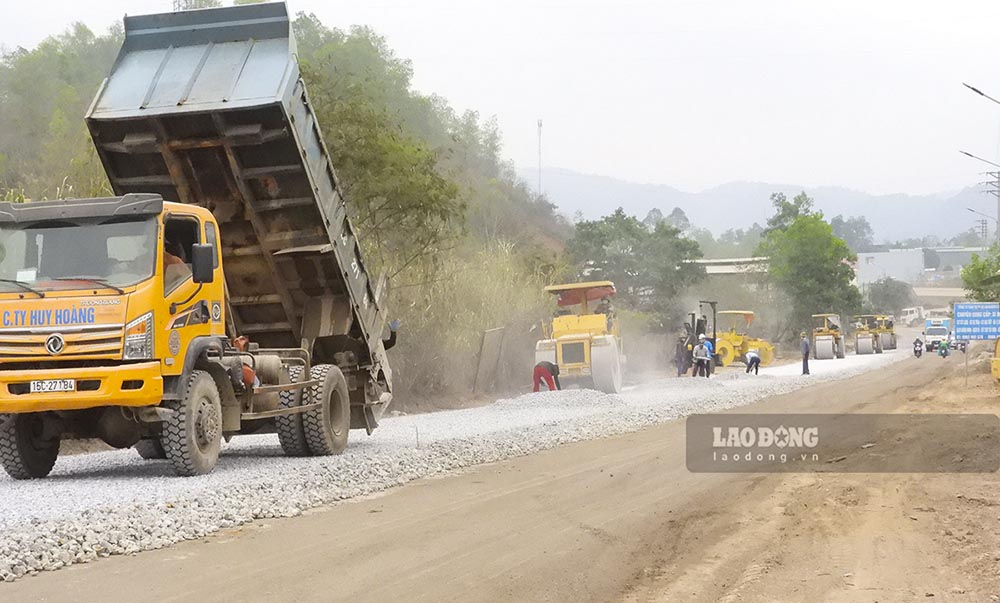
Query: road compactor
{"points": [[866, 335], [885, 328], [583, 339], [827, 337]]}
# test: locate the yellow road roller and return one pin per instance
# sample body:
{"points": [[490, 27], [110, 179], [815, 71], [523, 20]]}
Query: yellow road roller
{"points": [[827, 336], [867, 339], [583, 338]]}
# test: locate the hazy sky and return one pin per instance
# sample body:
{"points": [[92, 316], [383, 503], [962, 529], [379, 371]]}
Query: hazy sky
{"points": [[865, 94]]}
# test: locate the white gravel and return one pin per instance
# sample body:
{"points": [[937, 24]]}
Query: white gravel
{"points": [[114, 503]]}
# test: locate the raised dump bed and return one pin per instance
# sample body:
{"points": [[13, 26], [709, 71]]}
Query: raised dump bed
{"points": [[208, 107]]}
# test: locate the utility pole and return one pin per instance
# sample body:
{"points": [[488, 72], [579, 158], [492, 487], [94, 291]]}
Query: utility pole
{"points": [[539, 157], [992, 185], [983, 229], [993, 188]]}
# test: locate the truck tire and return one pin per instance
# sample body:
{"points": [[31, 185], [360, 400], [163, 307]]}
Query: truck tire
{"points": [[326, 427], [150, 450], [291, 433], [192, 435], [26, 451]]}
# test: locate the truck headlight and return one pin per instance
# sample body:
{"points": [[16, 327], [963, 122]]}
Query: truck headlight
{"points": [[139, 338]]}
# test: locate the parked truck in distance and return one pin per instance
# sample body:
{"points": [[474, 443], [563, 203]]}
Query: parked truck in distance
{"points": [[222, 290]]}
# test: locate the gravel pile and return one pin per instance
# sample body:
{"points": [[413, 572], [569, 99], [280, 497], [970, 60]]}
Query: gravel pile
{"points": [[112, 503]]}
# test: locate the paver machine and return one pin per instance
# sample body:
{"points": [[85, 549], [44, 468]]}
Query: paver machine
{"points": [[733, 341], [866, 335], [583, 339], [827, 337]]}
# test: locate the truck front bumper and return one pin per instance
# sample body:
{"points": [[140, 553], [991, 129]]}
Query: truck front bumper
{"points": [[124, 385]]}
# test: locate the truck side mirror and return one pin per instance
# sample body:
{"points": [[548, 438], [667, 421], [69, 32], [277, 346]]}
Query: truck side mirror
{"points": [[202, 263]]}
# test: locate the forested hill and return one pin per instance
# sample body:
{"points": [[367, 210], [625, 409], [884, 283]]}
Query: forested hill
{"points": [[437, 207], [738, 204]]}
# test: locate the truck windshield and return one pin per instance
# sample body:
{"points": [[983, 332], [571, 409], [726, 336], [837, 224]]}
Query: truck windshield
{"points": [[937, 331], [52, 254]]}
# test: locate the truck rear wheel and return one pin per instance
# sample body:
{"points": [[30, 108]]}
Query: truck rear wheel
{"points": [[28, 446], [150, 450], [326, 427], [192, 435], [291, 433]]}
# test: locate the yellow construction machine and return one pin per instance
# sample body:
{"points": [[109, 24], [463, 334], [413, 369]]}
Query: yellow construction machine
{"points": [[885, 327], [827, 336], [867, 339], [583, 338], [732, 343]]}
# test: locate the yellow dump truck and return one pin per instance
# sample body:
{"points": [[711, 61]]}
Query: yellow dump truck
{"points": [[733, 340], [583, 338], [221, 292]]}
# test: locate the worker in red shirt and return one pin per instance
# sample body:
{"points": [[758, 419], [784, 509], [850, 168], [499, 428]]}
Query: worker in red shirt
{"points": [[549, 372]]}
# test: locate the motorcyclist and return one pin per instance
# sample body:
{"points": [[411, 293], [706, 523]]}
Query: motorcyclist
{"points": [[918, 347]]}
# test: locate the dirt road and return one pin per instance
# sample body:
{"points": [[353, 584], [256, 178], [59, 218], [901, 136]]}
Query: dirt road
{"points": [[613, 519]]}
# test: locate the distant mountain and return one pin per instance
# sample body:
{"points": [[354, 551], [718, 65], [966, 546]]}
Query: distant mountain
{"points": [[740, 204]]}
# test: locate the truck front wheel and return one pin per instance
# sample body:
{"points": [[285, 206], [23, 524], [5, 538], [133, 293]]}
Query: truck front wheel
{"points": [[326, 427], [29, 445], [192, 434]]}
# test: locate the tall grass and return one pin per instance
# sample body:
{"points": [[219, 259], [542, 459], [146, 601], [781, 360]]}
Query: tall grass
{"points": [[444, 317]]}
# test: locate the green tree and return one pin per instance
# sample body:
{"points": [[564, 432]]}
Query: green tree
{"points": [[856, 232], [649, 268], [678, 219], [786, 212], [979, 276], [812, 266], [887, 295]]}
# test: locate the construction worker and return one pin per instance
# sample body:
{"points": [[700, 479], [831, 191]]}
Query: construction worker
{"points": [[711, 351], [753, 361], [806, 348], [548, 372], [702, 358]]}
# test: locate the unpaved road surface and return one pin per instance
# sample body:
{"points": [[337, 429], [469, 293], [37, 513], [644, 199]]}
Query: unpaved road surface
{"points": [[618, 518]]}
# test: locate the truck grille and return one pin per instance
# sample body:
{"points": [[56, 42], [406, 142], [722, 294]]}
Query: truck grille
{"points": [[573, 353], [92, 341]]}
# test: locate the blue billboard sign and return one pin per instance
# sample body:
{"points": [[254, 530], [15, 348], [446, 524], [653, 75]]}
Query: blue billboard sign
{"points": [[977, 321]]}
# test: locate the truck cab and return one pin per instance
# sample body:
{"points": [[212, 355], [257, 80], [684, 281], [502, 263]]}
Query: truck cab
{"points": [[936, 332]]}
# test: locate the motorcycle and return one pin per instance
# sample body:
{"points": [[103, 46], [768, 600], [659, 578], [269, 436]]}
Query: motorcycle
{"points": [[918, 349], [943, 351]]}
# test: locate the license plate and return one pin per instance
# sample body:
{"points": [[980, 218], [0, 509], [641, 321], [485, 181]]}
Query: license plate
{"points": [[42, 386]]}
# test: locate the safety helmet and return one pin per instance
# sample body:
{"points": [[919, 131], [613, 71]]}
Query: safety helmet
{"points": [[702, 336]]}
